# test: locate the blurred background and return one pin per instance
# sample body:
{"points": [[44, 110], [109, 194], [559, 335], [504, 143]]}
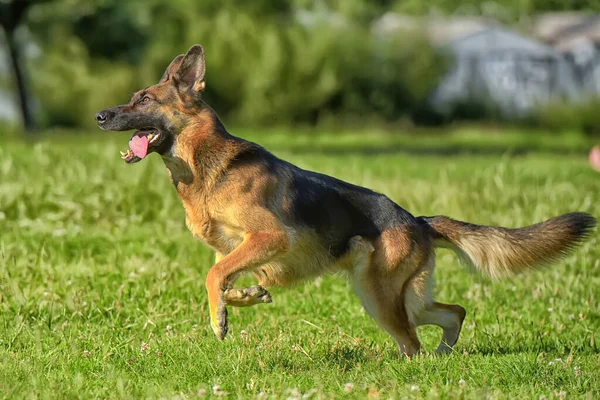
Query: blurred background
{"points": [[309, 62]]}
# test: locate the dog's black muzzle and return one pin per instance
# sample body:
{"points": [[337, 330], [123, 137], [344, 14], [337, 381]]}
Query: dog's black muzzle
{"points": [[116, 119]]}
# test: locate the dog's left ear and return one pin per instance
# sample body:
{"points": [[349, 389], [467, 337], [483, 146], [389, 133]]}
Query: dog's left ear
{"points": [[171, 69], [190, 74]]}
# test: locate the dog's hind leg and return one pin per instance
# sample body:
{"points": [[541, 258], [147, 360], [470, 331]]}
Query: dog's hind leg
{"points": [[423, 310], [449, 317], [381, 297]]}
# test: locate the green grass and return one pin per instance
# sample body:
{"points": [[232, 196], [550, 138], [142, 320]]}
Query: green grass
{"points": [[102, 286]]}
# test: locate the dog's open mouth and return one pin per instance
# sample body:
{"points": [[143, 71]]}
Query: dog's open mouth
{"points": [[141, 144]]}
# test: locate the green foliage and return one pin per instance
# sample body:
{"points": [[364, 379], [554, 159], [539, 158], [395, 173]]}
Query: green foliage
{"points": [[264, 67], [578, 116], [72, 86], [102, 293], [269, 62]]}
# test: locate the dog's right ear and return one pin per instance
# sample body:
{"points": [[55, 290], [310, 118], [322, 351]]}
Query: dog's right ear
{"points": [[190, 75], [171, 69]]}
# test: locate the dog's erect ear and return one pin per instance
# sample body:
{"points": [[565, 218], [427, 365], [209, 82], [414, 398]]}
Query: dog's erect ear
{"points": [[171, 69], [190, 75]]}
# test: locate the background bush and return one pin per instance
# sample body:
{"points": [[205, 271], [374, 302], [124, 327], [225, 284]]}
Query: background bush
{"points": [[264, 65], [560, 116], [283, 62]]}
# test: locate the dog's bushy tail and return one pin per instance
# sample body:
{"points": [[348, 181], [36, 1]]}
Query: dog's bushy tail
{"points": [[496, 251]]}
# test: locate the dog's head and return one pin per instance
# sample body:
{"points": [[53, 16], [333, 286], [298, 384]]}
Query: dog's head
{"points": [[159, 112]]}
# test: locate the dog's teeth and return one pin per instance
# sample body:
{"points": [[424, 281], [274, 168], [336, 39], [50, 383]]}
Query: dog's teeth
{"points": [[123, 154], [150, 136]]}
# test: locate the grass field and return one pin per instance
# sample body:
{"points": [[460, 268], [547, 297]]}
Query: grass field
{"points": [[102, 286]]}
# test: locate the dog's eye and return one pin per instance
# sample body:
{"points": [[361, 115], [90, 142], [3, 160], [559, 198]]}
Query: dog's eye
{"points": [[146, 99]]}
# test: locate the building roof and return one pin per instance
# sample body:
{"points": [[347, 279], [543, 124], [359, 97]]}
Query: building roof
{"points": [[499, 39]]}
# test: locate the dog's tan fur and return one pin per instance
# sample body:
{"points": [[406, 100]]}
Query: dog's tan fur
{"points": [[248, 206]]}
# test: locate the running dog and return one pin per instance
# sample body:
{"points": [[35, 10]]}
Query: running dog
{"points": [[267, 217]]}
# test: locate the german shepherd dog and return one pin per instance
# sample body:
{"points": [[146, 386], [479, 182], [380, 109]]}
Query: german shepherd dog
{"points": [[267, 217]]}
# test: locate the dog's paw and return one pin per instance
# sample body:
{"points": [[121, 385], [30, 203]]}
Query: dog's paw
{"points": [[259, 293], [444, 349], [247, 296], [218, 323]]}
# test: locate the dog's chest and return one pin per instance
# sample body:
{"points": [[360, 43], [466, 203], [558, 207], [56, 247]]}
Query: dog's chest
{"points": [[216, 233]]}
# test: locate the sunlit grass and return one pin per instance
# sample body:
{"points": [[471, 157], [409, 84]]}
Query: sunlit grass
{"points": [[102, 286]]}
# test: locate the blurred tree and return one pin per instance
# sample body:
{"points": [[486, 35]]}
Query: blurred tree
{"points": [[12, 15], [110, 32]]}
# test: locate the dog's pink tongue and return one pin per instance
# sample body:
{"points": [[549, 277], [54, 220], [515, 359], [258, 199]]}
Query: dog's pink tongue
{"points": [[139, 146]]}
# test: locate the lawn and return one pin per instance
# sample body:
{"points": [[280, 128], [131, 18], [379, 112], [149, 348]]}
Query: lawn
{"points": [[102, 286]]}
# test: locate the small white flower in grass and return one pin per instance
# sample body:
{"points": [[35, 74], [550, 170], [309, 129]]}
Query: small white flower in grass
{"points": [[550, 309], [59, 232], [414, 388], [293, 394], [348, 387], [542, 397], [577, 370], [217, 391], [86, 353], [144, 347], [201, 392], [571, 316], [261, 396], [462, 383]]}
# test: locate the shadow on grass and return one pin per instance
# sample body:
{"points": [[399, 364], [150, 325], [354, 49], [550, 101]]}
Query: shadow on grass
{"points": [[346, 358], [341, 358], [489, 349]]}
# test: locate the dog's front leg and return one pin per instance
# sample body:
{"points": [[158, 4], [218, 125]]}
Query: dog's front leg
{"points": [[256, 249], [244, 297]]}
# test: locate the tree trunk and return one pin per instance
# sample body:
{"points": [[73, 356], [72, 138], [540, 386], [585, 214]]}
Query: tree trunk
{"points": [[24, 103]]}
